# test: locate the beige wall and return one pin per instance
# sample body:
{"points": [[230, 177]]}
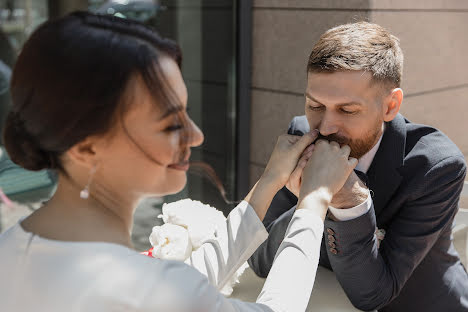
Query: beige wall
{"points": [[433, 38]]}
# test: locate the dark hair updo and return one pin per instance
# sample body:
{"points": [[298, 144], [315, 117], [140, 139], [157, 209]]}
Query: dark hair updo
{"points": [[69, 81]]}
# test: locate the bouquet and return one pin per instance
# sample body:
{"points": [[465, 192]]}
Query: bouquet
{"points": [[187, 225]]}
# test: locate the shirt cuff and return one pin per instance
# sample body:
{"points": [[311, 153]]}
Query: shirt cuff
{"points": [[352, 213]]}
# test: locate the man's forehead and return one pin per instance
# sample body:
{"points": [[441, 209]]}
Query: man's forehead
{"points": [[340, 87]]}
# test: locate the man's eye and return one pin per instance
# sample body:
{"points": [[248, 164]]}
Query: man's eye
{"points": [[315, 108], [348, 112]]}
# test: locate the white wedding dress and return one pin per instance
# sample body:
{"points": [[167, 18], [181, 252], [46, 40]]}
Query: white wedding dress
{"points": [[40, 274]]}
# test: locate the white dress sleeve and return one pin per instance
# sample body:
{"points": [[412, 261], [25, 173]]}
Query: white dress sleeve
{"points": [[289, 284], [220, 259]]}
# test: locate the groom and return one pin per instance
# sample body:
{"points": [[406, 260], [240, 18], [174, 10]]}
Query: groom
{"points": [[388, 233]]}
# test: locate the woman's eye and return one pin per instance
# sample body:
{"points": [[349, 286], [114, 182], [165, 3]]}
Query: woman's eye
{"points": [[173, 128]]}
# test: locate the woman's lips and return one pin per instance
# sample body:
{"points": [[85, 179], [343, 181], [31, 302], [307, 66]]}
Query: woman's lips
{"points": [[183, 166]]}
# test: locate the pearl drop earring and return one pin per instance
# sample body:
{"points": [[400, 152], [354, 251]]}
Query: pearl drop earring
{"points": [[85, 192]]}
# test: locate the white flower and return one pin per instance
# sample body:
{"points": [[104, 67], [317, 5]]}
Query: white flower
{"points": [[170, 242], [203, 222], [199, 222]]}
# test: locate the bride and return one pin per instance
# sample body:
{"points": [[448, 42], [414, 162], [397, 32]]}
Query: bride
{"points": [[101, 100]]}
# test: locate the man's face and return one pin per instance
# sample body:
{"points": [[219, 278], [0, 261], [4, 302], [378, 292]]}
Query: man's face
{"points": [[345, 107]]}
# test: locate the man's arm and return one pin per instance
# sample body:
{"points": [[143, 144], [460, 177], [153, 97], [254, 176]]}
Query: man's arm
{"points": [[372, 277]]}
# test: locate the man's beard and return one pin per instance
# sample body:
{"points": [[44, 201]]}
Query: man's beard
{"points": [[359, 147]]}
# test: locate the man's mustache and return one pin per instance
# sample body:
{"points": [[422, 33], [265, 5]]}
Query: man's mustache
{"points": [[333, 137]]}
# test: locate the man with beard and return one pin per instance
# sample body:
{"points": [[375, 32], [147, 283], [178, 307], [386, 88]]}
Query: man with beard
{"points": [[387, 235]]}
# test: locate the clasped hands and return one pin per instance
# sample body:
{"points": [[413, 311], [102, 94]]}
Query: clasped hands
{"points": [[306, 167]]}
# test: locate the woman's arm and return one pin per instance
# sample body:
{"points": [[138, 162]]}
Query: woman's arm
{"points": [[289, 284], [291, 278], [219, 259]]}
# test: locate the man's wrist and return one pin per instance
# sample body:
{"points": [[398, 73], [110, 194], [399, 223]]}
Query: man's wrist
{"points": [[354, 197], [351, 213]]}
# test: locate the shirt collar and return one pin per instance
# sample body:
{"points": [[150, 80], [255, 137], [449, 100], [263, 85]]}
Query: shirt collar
{"points": [[366, 160]]}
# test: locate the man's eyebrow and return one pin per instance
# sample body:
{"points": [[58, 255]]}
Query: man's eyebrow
{"points": [[352, 103], [349, 104]]}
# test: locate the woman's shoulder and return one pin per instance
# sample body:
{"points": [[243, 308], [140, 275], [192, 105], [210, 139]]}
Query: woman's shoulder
{"points": [[163, 284]]}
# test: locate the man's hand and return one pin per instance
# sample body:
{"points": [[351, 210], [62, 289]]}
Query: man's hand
{"points": [[353, 193]]}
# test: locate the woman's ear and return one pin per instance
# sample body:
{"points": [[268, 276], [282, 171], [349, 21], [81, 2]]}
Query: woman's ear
{"points": [[84, 153], [392, 103]]}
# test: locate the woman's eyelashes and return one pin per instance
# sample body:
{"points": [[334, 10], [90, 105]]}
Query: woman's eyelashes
{"points": [[173, 128]]}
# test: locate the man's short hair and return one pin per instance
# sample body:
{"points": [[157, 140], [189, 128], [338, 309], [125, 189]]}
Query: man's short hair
{"points": [[359, 46]]}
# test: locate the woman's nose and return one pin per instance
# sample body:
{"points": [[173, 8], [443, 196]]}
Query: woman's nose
{"points": [[197, 137]]}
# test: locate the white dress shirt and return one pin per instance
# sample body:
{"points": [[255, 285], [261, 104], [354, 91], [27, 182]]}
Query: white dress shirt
{"points": [[40, 274], [359, 210]]}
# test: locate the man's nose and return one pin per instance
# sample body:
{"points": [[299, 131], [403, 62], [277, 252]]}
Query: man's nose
{"points": [[327, 125]]}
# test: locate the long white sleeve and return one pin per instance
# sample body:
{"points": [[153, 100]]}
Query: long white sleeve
{"points": [[220, 259], [99, 276], [289, 284], [291, 278]]}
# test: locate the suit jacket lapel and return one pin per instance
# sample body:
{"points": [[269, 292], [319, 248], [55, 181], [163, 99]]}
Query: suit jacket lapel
{"points": [[383, 174]]}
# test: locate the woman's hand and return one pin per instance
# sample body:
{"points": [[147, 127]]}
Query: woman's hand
{"points": [[295, 179], [282, 162], [285, 157], [326, 172]]}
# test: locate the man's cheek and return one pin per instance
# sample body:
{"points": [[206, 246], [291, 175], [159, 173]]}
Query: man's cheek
{"points": [[313, 122]]}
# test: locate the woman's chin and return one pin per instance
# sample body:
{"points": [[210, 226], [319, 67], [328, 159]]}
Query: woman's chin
{"points": [[176, 186]]}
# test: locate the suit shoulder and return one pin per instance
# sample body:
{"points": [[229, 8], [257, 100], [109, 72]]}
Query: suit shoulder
{"points": [[429, 147], [299, 125], [432, 162]]}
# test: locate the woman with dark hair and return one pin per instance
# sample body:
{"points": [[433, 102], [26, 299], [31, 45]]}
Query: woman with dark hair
{"points": [[102, 101]]}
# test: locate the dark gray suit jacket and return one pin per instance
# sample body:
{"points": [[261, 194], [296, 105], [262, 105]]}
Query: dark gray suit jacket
{"points": [[416, 178]]}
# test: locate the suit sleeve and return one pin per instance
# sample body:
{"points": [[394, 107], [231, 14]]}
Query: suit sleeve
{"points": [[382, 272]]}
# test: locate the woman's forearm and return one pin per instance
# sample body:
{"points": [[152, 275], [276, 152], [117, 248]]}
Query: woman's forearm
{"points": [[261, 195], [316, 201]]}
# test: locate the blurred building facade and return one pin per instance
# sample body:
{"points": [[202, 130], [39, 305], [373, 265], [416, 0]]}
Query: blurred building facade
{"points": [[206, 30], [244, 66]]}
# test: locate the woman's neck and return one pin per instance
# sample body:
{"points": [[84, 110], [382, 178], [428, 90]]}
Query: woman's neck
{"points": [[68, 217]]}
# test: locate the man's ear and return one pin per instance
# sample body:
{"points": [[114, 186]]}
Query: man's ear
{"points": [[84, 153], [392, 103]]}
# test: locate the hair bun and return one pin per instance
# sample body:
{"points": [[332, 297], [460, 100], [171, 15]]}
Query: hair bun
{"points": [[22, 147]]}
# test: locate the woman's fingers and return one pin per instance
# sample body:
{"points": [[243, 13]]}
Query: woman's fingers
{"points": [[305, 141], [294, 182], [309, 150], [352, 162], [329, 166], [286, 154], [346, 149]]}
